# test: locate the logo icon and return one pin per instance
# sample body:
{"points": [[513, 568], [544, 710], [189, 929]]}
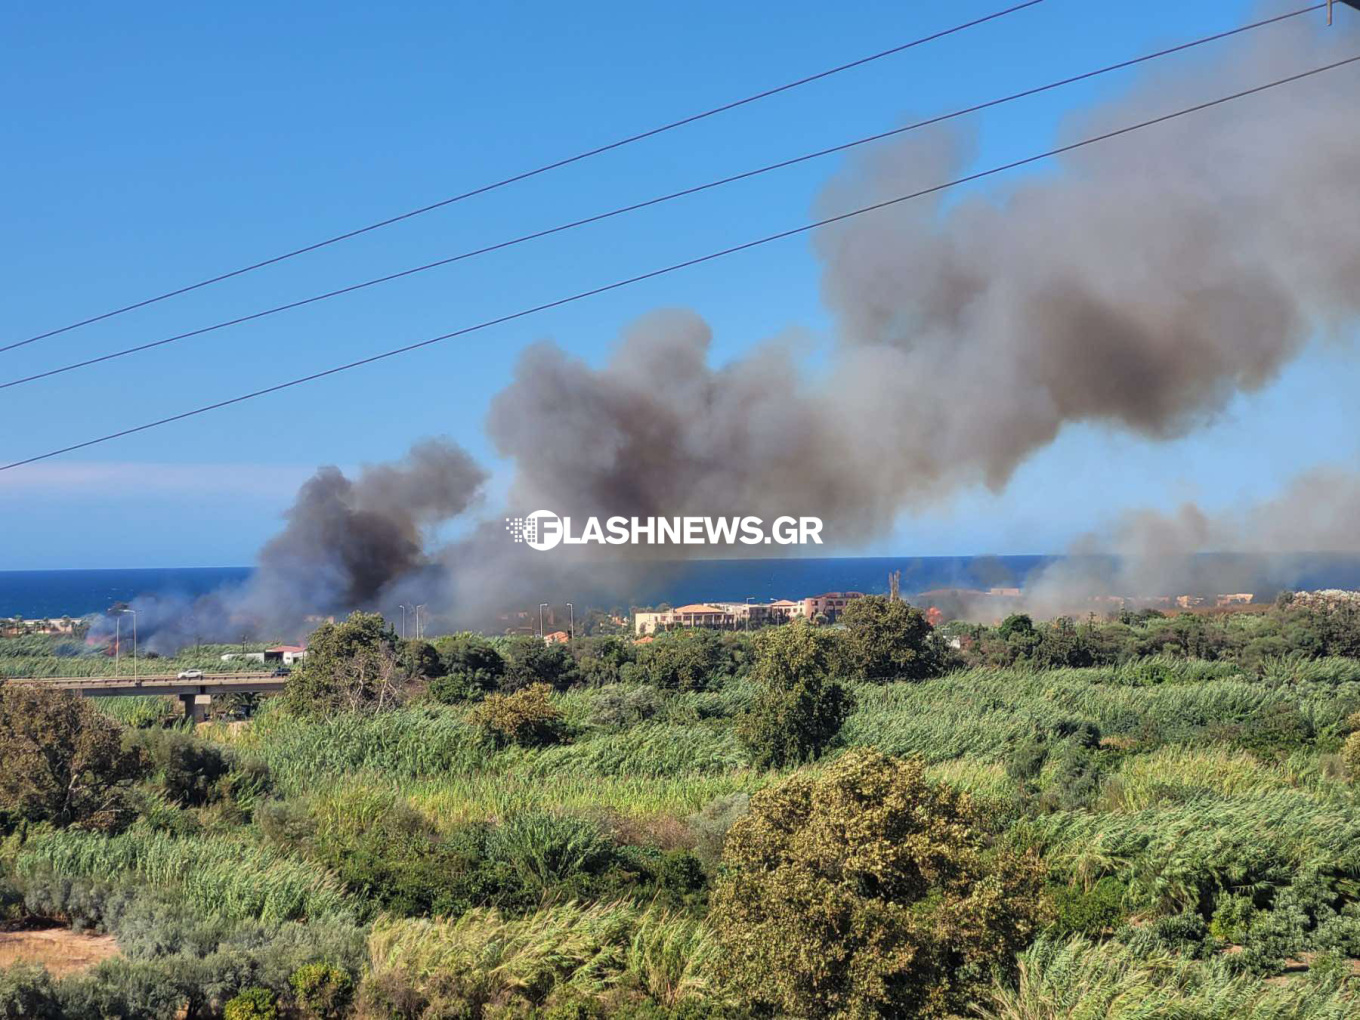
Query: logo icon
{"points": [[541, 530]]}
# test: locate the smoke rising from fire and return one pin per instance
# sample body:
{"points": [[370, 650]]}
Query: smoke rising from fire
{"points": [[1140, 283], [345, 541], [1262, 547]]}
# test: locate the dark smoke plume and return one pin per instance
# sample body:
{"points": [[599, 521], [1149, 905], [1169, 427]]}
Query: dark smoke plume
{"points": [[345, 541], [1260, 548], [346, 545], [1139, 283]]}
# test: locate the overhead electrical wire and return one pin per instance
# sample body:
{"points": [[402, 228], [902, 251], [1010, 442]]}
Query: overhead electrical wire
{"points": [[636, 206], [665, 270], [526, 174]]}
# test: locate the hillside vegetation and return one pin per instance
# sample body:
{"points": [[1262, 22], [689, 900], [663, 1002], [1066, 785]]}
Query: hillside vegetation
{"points": [[1129, 818]]}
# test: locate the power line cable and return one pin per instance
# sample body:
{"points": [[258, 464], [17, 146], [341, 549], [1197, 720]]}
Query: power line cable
{"points": [[526, 174], [636, 206], [629, 281]]}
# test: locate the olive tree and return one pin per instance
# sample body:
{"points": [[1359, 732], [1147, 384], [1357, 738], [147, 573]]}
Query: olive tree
{"points": [[863, 890], [63, 761]]}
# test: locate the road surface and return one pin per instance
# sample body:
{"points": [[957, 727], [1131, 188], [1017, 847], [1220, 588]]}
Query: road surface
{"points": [[210, 684]]}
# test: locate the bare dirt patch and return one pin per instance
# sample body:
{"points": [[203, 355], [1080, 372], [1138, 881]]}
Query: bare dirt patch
{"points": [[60, 950]]}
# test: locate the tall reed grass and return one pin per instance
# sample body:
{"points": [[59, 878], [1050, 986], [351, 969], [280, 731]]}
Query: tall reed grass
{"points": [[1080, 980], [1170, 856], [588, 949], [221, 877], [980, 713]]}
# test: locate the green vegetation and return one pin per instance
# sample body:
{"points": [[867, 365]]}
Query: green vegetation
{"points": [[1294, 634], [43, 655], [867, 891], [63, 762], [799, 710], [1143, 816]]}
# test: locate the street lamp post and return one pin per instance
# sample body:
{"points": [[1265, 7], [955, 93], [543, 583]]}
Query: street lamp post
{"points": [[134, 640], [117, 644], [419, 633], [541, 634], [403, 621]]}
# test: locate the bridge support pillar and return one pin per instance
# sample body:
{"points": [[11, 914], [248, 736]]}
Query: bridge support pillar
{"points": [[196, 707]]}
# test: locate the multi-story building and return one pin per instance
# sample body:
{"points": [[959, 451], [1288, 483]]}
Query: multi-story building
{"points": [[744, 615], [828, 605]]}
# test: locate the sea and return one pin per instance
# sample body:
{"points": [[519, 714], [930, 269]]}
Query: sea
{"points": [[55, 593], [49, 593]]}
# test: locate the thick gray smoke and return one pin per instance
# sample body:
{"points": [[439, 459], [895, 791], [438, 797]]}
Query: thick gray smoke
{"points": [[346, 545], [1138, 283], [1261, 548], [657, 432], [346, 541]]}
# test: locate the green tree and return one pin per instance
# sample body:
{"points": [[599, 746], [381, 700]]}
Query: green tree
{"points": [[64, 761], [420, 659], [1062, 645], [684, 660], [798, 710], [351, 665], [527, 717], [529, 660], [887, 639], [600, 660], [865, 891], [472, 666], [1016, 624]]}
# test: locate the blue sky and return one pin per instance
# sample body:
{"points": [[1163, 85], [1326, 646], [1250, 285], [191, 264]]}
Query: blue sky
{"points": [[153, 144]]}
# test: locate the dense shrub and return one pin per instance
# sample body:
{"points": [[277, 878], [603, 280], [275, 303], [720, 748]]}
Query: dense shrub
{"points": [[471, 668], [622, 705], [392, 858], [322, 991], [886, 639], [798, 710], [27, 992], [123, 988], [63, 761], [527, 717], [187, 770], [252, 1004], [866, 890], [1093, 912], [713, 822]]}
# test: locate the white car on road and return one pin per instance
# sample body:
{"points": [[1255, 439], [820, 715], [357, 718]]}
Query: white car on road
{"points": [[191, 674]]}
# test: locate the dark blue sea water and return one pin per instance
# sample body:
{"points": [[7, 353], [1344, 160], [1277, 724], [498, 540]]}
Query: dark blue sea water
{"points": [[39, 593], [42, 593]]}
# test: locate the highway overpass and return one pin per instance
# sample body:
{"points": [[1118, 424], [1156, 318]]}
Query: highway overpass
{"points": [[196, 694]]}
